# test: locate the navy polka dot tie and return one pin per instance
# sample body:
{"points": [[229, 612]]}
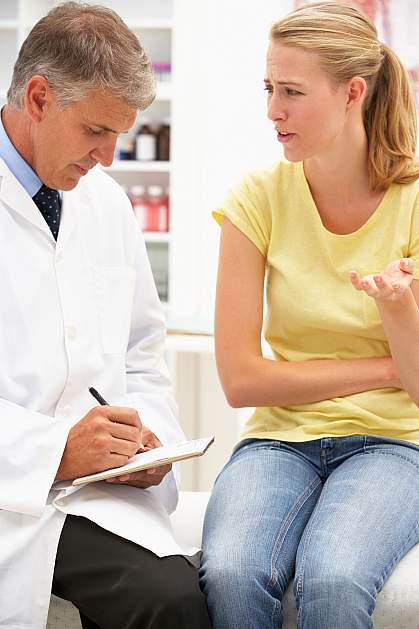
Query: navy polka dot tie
{"points": [[49, 204]]}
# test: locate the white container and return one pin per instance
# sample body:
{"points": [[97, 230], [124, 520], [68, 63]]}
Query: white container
{"points": [[145, 143]]}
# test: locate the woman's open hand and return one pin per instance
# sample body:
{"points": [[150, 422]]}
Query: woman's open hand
{"points": [[390, 284]]}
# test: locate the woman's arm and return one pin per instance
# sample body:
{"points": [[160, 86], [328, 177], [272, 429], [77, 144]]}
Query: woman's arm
{"points": [[249, 379], [397, 297]]}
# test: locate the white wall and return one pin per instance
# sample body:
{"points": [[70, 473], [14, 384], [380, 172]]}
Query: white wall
{"points": [[239, 137], [222, 130]]}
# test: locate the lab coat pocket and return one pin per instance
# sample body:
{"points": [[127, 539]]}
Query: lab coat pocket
{"points": [[115, 293]]}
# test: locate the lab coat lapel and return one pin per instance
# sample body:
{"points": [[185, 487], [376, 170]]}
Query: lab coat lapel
{"points": [[14, 195], [74, 201], [69, 213]]}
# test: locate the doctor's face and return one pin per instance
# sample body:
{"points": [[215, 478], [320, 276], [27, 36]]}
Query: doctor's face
{"points": [[67, 143], [307, 110]]}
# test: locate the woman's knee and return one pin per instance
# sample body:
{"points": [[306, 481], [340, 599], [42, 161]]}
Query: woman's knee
{"points": [[335, 591], [229, 576]]}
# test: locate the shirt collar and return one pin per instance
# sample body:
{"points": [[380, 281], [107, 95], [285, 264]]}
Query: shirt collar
{"points": [[26, 176]]}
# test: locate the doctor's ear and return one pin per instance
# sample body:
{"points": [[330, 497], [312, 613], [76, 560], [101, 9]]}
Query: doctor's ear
{"points": [[38, 98], [356, 92]]}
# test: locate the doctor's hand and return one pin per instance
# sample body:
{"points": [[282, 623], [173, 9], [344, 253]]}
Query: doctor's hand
{"points": [[390, 284], [145, 478], [106, 437]]}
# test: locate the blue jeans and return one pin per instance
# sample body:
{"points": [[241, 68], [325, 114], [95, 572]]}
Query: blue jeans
{"points": [[335, 514]]}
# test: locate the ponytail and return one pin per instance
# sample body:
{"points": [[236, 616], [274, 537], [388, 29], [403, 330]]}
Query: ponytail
{"points": [[390, 123]]}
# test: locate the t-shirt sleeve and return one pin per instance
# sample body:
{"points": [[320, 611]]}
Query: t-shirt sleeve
{"points": [[247, 207], [414, 239]]}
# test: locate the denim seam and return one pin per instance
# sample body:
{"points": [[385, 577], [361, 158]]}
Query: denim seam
{"points": [[299, 587], [254, 445], [386, 453], [285, 526], [275, 616]]}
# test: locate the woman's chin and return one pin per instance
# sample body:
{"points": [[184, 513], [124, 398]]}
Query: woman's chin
{"points": [[293, 156]]}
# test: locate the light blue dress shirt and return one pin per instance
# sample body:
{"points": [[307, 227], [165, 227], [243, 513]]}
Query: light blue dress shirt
{"points": [[17, 165]]}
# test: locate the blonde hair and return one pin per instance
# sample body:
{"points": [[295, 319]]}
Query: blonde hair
{"points": [[347, 44], [78, 47]]}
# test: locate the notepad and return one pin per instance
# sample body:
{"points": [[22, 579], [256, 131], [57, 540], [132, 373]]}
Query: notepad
{"points": [[153, 458]]}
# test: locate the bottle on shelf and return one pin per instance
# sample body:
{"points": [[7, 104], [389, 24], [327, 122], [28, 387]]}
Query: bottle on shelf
{"points": [[145, 143], [167, 71], [167, 201], [125, 148], [157, 209], [139, 205], [163, 141], [162, 71]]}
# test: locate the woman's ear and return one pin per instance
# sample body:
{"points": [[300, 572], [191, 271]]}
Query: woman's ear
{"points": [[356, 91]]}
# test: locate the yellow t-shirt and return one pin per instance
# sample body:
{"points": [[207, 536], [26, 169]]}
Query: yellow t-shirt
{"points": [[313, 311]]}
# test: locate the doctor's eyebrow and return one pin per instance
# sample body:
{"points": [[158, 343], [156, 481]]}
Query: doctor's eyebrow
{"points": [[103, 127]]}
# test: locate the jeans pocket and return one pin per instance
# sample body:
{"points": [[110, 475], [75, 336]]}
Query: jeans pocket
{"points": [[254, 444]]}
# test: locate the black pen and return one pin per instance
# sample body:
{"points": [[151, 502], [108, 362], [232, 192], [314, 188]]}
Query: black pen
{"points": [[98, 397], [103, 402]]}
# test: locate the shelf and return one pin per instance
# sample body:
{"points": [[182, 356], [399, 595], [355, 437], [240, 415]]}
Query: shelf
{"points": [[149, 24], [163, 237], [132, 165], [198, 326], [8, 24]]}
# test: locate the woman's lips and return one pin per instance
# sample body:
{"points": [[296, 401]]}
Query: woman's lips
{"points": [[285, 138]]}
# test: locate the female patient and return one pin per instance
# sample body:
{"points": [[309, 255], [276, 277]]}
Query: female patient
{"points": [[323, 488]]}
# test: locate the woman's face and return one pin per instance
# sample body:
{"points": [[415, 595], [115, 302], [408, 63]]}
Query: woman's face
{"points": [[303, 103]]}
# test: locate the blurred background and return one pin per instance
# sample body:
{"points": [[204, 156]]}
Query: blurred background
{"points": [[205, 130]]}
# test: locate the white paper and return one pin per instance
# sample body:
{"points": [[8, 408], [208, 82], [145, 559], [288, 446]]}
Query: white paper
{"points": [[144, 460]]}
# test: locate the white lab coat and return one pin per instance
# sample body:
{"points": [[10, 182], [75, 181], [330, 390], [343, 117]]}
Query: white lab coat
{"points": [[77, 313]]}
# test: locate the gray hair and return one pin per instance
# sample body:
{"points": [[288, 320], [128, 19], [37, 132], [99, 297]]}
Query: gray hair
{"points": [[78, 47]]}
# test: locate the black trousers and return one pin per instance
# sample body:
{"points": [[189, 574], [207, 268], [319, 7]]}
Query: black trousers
{"points": [[117, 584]]}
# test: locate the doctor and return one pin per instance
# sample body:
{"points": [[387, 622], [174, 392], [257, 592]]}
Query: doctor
{"points": [[79, 308]]}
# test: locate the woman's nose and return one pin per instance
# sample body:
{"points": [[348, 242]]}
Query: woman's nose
{"points": [[275, 110]]}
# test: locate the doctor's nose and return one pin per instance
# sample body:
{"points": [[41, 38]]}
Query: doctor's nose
{"points": [[104, 154]]}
